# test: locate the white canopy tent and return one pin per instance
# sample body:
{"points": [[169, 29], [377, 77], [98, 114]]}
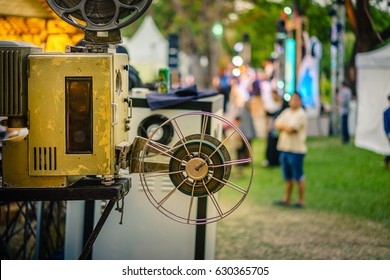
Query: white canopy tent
{"points": [[148, 51], [373, 86]]}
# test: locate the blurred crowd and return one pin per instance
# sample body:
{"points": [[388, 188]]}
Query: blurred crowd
{"points": [[252, 101]]}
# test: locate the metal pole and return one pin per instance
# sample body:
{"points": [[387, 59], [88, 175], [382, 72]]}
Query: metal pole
{"points": [[333, 70], [88, 246], [40, 210], [341, 34], [337, 62]]}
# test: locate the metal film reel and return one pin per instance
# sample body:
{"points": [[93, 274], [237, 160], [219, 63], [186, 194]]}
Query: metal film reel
{"points": [[99, 15], [153, 122], [199, 166]]}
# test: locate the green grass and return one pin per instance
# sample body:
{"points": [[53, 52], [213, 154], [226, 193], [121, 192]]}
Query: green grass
{"points": [[340, 179]]}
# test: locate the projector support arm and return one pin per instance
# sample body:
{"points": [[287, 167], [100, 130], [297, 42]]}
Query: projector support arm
{"points": [[91, 240]]}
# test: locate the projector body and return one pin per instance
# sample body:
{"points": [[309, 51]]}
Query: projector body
{"points": [[78, 116]]}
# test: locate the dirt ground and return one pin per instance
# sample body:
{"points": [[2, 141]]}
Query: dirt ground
{"points": [[256, 232]]}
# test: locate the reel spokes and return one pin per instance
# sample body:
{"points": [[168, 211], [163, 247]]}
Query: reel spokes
{"points": [[199, 167]]}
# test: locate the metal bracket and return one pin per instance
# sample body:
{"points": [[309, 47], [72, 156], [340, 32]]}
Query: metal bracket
{"points": [[123, 149]]}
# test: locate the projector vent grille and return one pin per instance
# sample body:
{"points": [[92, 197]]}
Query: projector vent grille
{"points": [[45, 158]]}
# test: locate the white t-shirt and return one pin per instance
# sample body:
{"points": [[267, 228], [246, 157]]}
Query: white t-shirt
{"points": [[293, 142]]}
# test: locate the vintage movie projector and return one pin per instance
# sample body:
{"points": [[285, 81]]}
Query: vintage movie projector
{"points": [[78, 113]]}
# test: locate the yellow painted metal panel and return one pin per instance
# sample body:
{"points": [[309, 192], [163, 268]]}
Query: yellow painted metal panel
{"points": [[15, 169], [47, 114], [120, 92]]}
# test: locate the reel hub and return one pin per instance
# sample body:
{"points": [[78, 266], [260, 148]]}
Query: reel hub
{"points": [[197, 169], [198, 174]]}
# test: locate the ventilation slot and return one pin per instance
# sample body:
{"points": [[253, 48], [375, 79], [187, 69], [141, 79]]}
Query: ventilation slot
{"points": [[45, 158], [11, 75]]}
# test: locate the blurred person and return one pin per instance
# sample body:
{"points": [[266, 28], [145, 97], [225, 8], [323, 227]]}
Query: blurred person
{"points": [[256, 84], [344, 99], [386, 126], [292, 126], [272, 103], [239, 95], [269, 68], [224, 86], [239, 112], [257, 106], [272, 153], [245, 85], [277, 104], [245, 123]]}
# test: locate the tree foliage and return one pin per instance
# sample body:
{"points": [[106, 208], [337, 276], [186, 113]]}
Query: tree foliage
{"points": [[193, 21], [369, 21]]}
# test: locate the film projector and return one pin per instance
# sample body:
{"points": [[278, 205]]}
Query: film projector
{"points": [[78, 112]]}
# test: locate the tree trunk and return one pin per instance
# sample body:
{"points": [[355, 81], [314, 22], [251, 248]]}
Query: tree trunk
{"points": [[367, 38]]}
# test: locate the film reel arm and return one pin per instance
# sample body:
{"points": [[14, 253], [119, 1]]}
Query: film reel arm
{"points": [[135, 156]]}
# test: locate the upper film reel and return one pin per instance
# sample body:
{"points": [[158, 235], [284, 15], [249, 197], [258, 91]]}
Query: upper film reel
{"points": [[99, 15], [199, 166]]}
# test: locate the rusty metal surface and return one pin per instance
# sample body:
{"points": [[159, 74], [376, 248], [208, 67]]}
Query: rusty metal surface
{"points": [[47, 113]]}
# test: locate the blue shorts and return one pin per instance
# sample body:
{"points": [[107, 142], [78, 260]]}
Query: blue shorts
{"points": [[292, 165]]}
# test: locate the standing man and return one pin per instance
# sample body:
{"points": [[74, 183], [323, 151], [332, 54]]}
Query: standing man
{"points": [[344, 99], [292, 125], [386, 125]]}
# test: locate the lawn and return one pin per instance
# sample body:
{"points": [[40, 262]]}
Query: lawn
{"points": [[347, 213], [340, 178]]}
